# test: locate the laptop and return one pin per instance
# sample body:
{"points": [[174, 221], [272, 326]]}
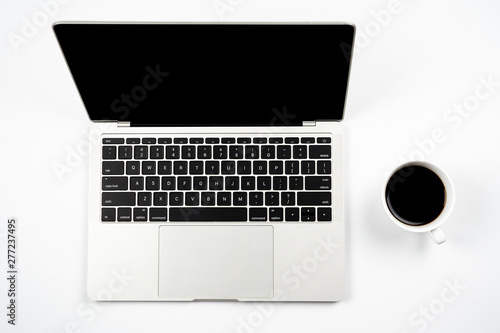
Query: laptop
{"points": [[219, 169]]}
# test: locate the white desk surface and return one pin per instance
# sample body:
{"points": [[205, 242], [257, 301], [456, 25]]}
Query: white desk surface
{"points": [[409, 71]]}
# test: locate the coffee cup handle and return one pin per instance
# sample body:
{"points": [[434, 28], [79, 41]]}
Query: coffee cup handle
{"points": [[437, 235]]}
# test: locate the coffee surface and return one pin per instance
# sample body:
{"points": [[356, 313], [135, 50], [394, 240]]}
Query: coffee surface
{"points": [[415, 195]]}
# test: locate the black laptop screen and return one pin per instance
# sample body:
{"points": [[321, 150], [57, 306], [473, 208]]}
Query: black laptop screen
{"points": [[209, 74]]}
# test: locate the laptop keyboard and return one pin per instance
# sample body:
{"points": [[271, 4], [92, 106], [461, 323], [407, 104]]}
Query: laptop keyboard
{"points": [[219, 179]]}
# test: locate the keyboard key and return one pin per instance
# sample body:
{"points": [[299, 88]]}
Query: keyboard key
{"points": [[314, 198], [212, 167], [260, 167], [268, 152], [164, 167], [172, 152], [288, 199], [133, 168], [149, 168], [118, 199], [157, 214], [276, 167], [188, 152], [307, 215], [140, 152], [308, 167], [228, 140], [324, 167], [279, 183], [208, 198], [108, 215], [307, 140], [195, 167], [300, 152], [144, 199], [113, 141], [125, 152], [213, 214], [320, 151], [272, 199], [248, 183], [156, 152], [244, 140], [244, 167], [184, 183], [180, 167], [256, 198], [176, 199], [148, 141], [133, 141], [291, 140], [291, 214], [167, 183], [258, 214], [284, 152], [215, 183], [165, 141], [228, 167], [220, 152], [276, 140], [112, 168], [200, 183], [180, 140], [160, 199], [252, 152], [259, 140], [263, 183], [137, 183], [212, 140], [292, 167], [196, 141], [235, 152], [318, 183], [152, 183], [114, 183], [140, 214], [124, 214], [276, 214], [232, 183], [204, 152], [108, 152], [224, 199], [239, 198], [192, 199], [324, 214], [296, 183], [324, 140]]}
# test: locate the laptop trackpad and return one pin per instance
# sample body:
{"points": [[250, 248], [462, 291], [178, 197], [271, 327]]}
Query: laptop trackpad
{"points": [[216, 262]]}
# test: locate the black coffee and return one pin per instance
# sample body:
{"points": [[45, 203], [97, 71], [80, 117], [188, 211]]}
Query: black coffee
{"points": [[415, 195]]}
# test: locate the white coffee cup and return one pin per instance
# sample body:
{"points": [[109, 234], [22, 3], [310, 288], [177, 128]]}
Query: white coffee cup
{"points": [[432, 228]]}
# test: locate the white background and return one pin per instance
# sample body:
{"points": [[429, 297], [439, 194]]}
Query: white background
{"points": [[410, 68]]}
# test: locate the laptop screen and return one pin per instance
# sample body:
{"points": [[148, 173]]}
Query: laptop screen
{"points": [[209, 74]]}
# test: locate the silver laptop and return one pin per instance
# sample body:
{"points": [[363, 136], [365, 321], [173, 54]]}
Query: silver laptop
{"points": [[219, 172]]}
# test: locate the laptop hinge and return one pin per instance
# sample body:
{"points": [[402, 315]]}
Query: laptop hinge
{"points": [[123, 124], [309, 123]]}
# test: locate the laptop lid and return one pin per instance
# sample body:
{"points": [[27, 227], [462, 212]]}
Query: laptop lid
{"points": [[204, 74]]}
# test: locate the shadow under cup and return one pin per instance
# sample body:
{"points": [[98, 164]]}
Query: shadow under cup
{"points": [[415, 195]]}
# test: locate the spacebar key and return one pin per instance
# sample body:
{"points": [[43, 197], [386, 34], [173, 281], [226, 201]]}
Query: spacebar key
{"points": [[193, 214]]}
